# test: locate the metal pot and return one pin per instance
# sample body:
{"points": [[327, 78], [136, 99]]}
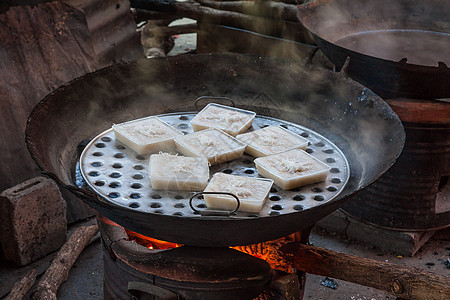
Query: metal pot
{"points": [[396, 48], [352, 117]]}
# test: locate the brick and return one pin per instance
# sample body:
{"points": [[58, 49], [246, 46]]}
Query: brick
{"points": [[32, 220]]}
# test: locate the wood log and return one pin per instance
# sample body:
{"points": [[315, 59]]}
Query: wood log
{"points": [[164, 31], [58, 271], [275, 28], [401, 281], [21, 288], [266, 9]]}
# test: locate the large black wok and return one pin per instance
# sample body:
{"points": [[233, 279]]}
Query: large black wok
{"points": [[397, 48], [356, 120]]}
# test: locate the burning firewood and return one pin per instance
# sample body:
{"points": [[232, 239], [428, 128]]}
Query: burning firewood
{"points": [[59, 269]]}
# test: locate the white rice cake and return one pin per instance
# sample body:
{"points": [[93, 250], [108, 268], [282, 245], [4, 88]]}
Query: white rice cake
{"points": [[178, 173], [215, 145], [229, 119], [252, 192], [271, 140], [147, 135], [292, 169]]}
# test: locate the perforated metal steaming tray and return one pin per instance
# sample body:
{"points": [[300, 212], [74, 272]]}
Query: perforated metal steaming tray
{"points": [[120, 176]]}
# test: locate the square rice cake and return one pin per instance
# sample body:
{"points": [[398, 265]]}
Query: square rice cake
{"points": [[147, 135], [252, 192], [215, 145], [229, 119], [178, 173], [292, 169], [271, 140]]}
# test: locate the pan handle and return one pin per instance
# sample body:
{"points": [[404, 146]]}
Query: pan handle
{"points": [[212, 98], [214, 212]]}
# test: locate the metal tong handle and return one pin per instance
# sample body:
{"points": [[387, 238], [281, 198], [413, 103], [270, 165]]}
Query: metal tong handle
{"points": [[212, 98], [214, 212]]}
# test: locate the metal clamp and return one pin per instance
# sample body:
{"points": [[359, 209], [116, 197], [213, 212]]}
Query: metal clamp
{"points": [[212, 98], [214, 212]]}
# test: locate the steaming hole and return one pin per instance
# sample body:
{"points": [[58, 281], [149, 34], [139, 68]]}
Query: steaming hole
{"points": [[93, 173], [183, 118], [179, 205], [97, 164], [275, 198], [140, 157], [178, 197], [120, 147], [119, 155], [277, 207], [135, 196], [317, 190], [320, 144], [309, 150], [273, 190], [100, 145], [115, 175], [100, 183], [202, 205], [185, 132], [284, 126], [136, 185], [247, 161], [138, 167], [137, 176], [155, 205], [158, 212], [304, 134], [106, 139], [97, 153], [334, 170], [113, 195], [178, 213], [183, 126], [328, 151], [117, 165], [249, 171], [114, 184], [264, 126], [227, 171], [330, 160], [319, 198], [296, 190], [156, 196], [274, 213], [335, 180], [134, 205], [299, 197], [332, 189], [298, 207]]}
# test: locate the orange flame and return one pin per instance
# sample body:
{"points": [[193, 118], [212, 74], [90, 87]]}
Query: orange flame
{"points": [[267, 251]]}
